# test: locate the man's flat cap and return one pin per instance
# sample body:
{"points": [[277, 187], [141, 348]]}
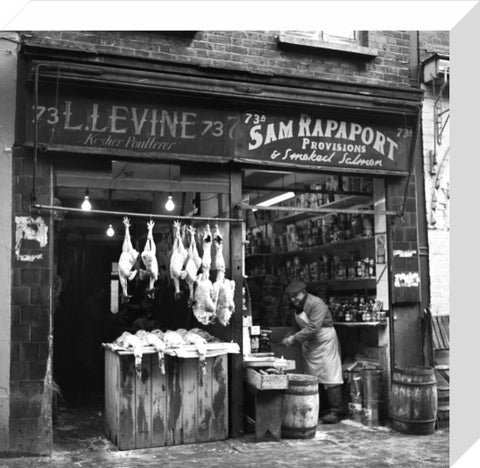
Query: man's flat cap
{"points": [[295, 287]]}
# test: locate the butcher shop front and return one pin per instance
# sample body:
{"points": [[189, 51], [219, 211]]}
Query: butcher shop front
{"points": [[168, 254]]}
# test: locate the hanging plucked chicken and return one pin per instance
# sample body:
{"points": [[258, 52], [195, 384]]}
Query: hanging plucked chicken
{"points": [[193, 264], [203, 305], [127, 260], [223, 289], [150, 260], [178, 258]]}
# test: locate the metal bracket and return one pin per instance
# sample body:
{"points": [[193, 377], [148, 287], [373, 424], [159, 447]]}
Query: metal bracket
{"points": [[441, 117]]}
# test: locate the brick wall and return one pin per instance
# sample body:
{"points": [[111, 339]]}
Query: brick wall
{"points": [[251, 51], [30, 400], [431, 42], [437, 181]]}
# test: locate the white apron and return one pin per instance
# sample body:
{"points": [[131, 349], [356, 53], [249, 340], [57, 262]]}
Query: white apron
{"points": [[321, 356]]}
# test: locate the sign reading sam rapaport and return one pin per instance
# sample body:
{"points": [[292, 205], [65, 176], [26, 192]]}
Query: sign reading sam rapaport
{"points": [[155, 124], [308, 139]]}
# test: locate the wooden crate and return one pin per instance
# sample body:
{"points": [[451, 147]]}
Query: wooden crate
{"points": [[154, 410], [266, 382]]}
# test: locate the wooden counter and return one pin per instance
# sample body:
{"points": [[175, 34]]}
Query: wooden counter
{"points": [[185, 405]]}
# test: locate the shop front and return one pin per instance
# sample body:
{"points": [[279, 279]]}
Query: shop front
{"points": [[220, 147]]}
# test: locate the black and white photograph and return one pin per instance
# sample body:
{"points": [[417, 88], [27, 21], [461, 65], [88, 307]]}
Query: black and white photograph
{"points": [[227, 246]]}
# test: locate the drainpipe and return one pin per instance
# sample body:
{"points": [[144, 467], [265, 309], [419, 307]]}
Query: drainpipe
{"points": [[420, 200]]}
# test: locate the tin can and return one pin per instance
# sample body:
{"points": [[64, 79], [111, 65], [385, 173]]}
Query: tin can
{"points": [[264, 341]]}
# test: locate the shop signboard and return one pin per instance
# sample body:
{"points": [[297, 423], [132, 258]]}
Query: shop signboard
{"points": [[127, 123], [320, 139]]}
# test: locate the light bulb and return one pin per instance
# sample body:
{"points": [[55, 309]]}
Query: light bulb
{"points": [[170, 206], [110, 231], [86, 205]]}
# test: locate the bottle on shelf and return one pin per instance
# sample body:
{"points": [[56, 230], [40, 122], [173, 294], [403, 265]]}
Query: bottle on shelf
{"points": [[367, 226], [352, 265], [359, 270]]}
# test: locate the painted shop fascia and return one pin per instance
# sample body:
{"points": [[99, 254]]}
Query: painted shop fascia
{"points": [[70, 118]]}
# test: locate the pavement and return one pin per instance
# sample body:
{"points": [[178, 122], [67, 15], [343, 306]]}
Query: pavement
{"points": [[79, 442]]}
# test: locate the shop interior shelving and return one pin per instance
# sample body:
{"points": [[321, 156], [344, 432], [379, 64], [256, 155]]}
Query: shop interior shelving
{"points": [[346, 244], [345, 202], [361, 324]]}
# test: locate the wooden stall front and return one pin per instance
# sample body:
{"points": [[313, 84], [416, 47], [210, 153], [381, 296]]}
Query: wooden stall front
{"points": [[187, 404]]}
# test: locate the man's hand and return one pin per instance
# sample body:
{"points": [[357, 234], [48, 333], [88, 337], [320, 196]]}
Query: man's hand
{"points": [[288, 341]]}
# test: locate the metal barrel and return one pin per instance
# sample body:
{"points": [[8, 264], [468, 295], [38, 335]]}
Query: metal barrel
{"points": [[372, 414], [355, 395]]}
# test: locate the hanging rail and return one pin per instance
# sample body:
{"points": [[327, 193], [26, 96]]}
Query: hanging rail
{"points": [[133, 214], [246, 206]]}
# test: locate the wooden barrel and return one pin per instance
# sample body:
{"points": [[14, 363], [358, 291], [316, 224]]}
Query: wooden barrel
{"points": [[443, 411], [300, 407], [414, 400]]}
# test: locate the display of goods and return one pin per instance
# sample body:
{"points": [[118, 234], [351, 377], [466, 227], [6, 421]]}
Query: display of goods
{"points": [[210, 301], [356, 309]]}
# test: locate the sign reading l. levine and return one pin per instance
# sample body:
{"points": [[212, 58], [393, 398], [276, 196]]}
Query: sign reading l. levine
{"points": [[154, 124], [125, 124]]}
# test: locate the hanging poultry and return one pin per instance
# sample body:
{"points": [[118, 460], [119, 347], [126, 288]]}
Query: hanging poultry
{"points": [[195, 255], [218, 259], [192, 265], [207, 250], [203, 305], [225, 305], [223, 289], [178, 258], [150, 260], [127, 260]]}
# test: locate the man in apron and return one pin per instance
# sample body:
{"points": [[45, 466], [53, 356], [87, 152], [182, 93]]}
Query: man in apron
{"points": [[313, 329]]}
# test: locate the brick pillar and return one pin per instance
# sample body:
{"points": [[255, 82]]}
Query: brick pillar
{"points": [[30, 371], [8, 77]]}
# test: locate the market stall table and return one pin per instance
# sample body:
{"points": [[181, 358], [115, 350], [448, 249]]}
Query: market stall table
{"points": [[187, 404]]}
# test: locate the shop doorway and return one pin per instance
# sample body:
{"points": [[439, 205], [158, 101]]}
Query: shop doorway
{"points": [[329, 231], [88, 309]]}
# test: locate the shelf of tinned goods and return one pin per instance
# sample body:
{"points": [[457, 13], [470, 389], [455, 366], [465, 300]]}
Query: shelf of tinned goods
{"points": [[346, 202], [349, 243]]}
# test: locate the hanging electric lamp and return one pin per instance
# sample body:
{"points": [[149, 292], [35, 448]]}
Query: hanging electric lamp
{"points": [[86, 205], [170, 205], [110, 231]]}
